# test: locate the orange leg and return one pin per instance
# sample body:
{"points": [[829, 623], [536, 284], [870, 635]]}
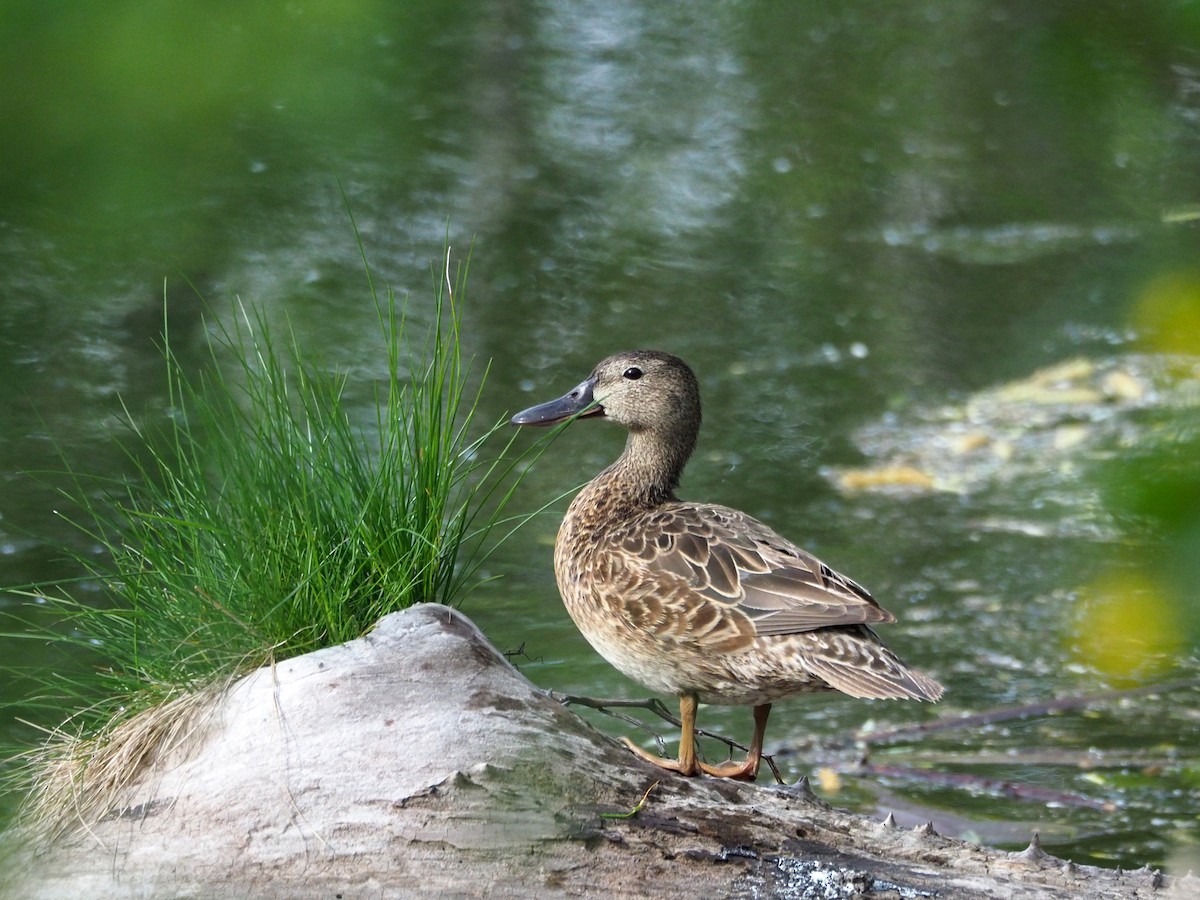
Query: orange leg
{"points": [[687, 764], [748, 770]]}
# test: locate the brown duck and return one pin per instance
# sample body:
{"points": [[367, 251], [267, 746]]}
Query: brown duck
{"points": [[699, 600]]}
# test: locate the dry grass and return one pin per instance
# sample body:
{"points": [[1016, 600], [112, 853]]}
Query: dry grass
{"points": [[76, 780]]}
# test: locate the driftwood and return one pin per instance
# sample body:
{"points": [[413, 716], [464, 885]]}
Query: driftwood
{"points": [[417, 761]]}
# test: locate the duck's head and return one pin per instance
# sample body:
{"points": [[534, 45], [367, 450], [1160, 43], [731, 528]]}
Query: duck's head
{"points": [[643, 390]]}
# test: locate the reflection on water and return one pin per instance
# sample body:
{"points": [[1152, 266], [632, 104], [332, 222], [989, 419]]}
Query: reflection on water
{"points": [[840, 214]]}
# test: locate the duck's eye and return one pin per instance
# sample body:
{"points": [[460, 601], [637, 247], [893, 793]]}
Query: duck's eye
{"points": [[633, 373]]}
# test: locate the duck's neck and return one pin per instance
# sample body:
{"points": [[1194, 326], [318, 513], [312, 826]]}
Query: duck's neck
{"points": [[647, 473]]}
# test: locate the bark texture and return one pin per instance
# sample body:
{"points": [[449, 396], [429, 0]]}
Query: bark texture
{"points": [[417, 761]]}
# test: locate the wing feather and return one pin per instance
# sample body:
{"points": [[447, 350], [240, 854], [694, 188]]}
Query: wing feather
{"points": [[715, 555]]}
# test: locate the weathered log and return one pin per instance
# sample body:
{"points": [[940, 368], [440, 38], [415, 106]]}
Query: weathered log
{"points": [[417, 761]]}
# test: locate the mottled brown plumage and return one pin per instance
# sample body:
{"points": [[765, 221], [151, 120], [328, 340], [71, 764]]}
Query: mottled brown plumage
{"points": [[699, 600]]}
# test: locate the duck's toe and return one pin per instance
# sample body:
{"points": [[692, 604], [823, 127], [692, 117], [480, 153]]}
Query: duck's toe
{"points": [[671, 765], [743, 771]]}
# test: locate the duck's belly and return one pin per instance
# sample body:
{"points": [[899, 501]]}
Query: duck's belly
{"points": [[770, 670]]}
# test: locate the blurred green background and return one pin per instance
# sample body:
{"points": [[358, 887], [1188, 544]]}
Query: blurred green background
{"points": [[856, 220]]}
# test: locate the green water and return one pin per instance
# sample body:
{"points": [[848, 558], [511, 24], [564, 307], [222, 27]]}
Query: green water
{"points": [[846, 216]]}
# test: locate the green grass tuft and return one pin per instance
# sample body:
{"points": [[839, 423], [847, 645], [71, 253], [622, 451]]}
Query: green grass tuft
{"points": [[264, 523]]}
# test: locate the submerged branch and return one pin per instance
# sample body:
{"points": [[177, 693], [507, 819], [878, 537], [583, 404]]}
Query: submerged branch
{"points": [[1020, 711], [999, 787], [964, 781]]}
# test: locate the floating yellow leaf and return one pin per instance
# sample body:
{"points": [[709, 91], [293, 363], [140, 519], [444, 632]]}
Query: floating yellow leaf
{"points": [[829, 780], [884, 477]]}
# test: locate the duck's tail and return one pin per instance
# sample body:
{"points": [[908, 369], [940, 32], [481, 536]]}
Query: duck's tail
{"points": [[854, 661]]}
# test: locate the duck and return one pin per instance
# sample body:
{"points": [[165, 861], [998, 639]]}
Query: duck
{"points": [[698, 600]]}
